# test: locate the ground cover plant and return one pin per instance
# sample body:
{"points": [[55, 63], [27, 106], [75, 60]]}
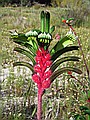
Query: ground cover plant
{"points": [[60, 92]]}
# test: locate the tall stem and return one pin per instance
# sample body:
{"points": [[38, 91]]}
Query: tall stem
{"points": [[39, 106], [88, 72]]}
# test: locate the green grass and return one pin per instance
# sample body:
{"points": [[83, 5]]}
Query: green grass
{"points": [[73, 95]]}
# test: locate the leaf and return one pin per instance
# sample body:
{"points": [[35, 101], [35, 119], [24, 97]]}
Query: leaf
{"points": [[62, 70], [47, 22], [64, 59], [21, 39], [20, 36], [33, 43], [52, 29], [24, 64], [60, 52], [26, 44], [34, 111], [42, 21], [64, 42], [25, 52]]}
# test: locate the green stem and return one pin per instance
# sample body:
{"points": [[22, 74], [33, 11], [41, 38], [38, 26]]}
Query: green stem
{"points": [[88, 117], [39, 106]]}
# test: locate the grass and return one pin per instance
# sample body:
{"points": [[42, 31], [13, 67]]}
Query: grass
{"points": [[65, 95]]}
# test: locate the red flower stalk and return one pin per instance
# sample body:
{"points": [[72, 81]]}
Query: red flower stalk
{"points": [[42, 75]]}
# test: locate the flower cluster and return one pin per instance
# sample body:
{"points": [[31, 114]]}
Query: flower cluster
{"points": [[42, 69]]}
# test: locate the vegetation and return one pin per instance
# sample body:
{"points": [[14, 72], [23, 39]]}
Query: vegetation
{"points": [[18, 92]]}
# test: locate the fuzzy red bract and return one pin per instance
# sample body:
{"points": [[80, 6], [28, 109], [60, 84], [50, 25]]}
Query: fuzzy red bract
{"points": [[46, 84], [42, 68], [36, 78]]}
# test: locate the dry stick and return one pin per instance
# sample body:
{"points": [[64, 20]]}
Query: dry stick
{"points": [[88, 72]]}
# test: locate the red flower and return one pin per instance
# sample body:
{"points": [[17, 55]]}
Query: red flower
{"points": [[48, 63], [37, 68], [46, 84], [42, 69], [36, 78], [47, 74]]}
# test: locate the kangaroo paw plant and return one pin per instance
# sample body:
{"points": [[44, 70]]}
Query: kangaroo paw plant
{"points": [[45, 62]]}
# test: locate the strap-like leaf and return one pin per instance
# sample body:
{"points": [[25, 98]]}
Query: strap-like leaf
{"points": [[19, 37], [30, 48], [52, 29], [23, 40], [63, 42], [24, 64], [25, 52], [33, 43], [64, 59], [62, 70], [42, 21], [47, 22], [60, 52], [26, 44]]}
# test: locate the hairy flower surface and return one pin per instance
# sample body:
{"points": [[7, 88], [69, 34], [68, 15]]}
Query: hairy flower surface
{"points": [[42, 69]]}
